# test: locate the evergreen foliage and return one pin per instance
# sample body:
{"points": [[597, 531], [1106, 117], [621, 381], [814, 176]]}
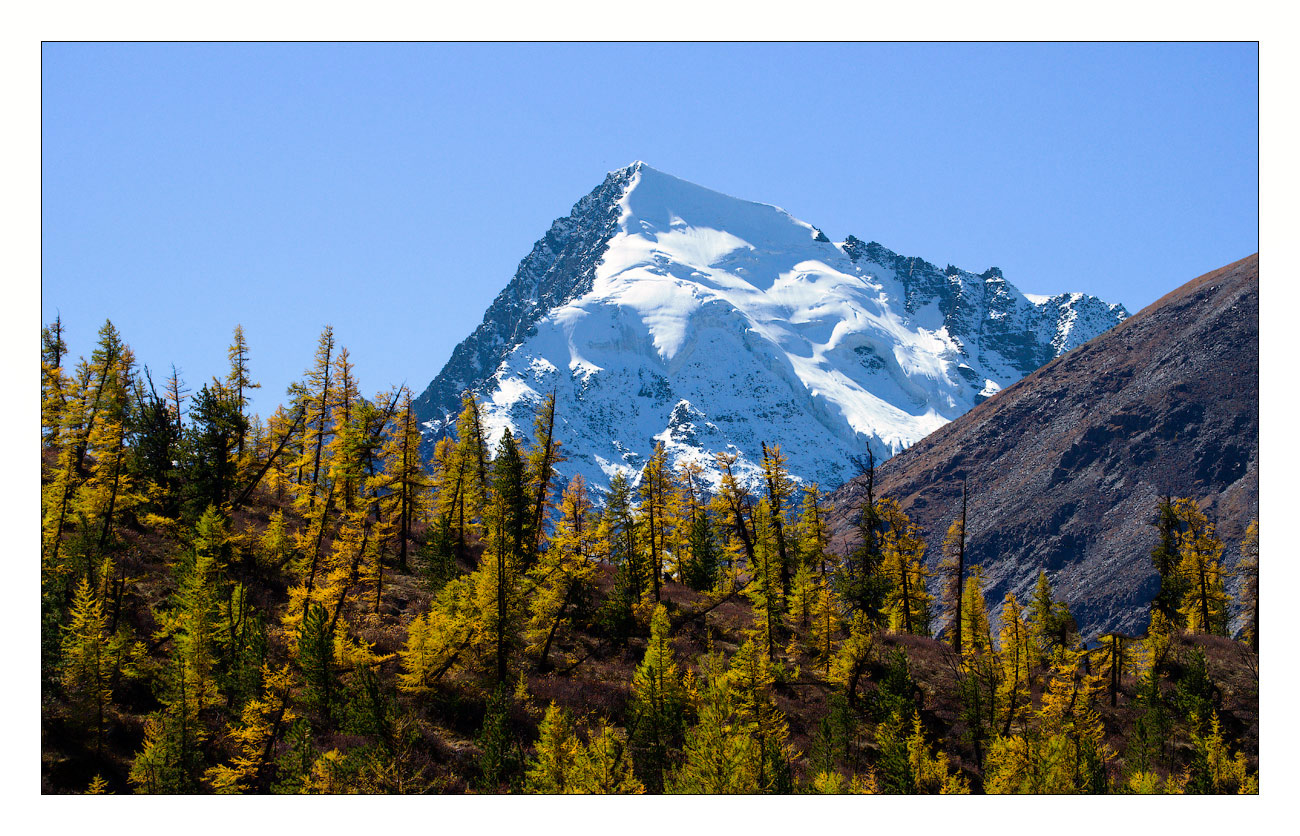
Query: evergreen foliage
{"points": [[229, 605]]}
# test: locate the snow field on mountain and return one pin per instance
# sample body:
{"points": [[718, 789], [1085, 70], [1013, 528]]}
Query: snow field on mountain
{"points": [[715, 324]]}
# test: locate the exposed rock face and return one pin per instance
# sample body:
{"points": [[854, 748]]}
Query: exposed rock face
{"points": [[660, 311], [1065, 468], [560, 268]]}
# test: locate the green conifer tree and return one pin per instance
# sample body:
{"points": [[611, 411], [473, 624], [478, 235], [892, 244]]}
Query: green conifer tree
{"points": [[655, 723]]}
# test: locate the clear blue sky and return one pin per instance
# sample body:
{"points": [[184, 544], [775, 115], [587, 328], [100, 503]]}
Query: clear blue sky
{"points": [[391, 190]]}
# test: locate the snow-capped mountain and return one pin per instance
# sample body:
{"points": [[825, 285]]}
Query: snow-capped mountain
{"points": [[659, 310]]}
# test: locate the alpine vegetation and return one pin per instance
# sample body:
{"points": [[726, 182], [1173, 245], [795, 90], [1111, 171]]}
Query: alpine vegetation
{"points": [[306, 603]]}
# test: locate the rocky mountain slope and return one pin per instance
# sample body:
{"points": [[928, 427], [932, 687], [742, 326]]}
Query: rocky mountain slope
{"points": [[660, 311], [1065, 467]]}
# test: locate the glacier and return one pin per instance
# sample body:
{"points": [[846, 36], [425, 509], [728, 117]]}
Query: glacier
{"points": [[660, 311]]}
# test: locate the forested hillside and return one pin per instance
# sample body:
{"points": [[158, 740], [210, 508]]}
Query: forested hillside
{"points": [[299, 603]]}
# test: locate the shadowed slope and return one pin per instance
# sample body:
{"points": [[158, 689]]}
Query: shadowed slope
{"points": [[1066, 466]]}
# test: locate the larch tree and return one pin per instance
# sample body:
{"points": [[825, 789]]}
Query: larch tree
{"points": [[1204, 606], [563, 577], [543, 456], [1049, 622], [801, 600], [88, 659], [759, 718], [1165, 606], [54, 382], [1214, 769], [262, 723], [356, 567], [861, 581], [779, 491], [438, 640], [109, 488], [604, 766], [908, 765], [733, 499], [346, 449], [811, 535], [1016, 653], [826, 625], [854, 654], [680, 511], [715, 757], [107, 380], [980, 671], [175, 393], [507, 539], [699, 549], [953, 567], [171, 757], [1067, 749], [908, 604], [764, 587], [460, 481], [1248, 585], [564, 764], [405, 484], [57, 496], [730, 550], [656, 722], [318, 399], [238, 380], [557, 754], [654, 489]]}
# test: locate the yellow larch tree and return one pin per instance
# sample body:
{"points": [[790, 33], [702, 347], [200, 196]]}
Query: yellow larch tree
{"points": [[908, 604], [1248, 585], [262, 722], [109, 490], [563, 575], [827, 621], [953, 569], [757, 716], [54, 382], [550, 770], [1015, 653], [87, 658], [603, 765], [764, 587], [655, 488], [779, 490], [811, 534], [1205, 603], [539, 468], [317, 400]]}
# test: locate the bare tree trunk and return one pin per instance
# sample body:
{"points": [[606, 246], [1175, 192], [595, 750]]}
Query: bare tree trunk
{"points": [[543, 665]]}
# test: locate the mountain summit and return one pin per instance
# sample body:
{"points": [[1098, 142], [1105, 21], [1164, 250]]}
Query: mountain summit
{"points": [[661, 311]]}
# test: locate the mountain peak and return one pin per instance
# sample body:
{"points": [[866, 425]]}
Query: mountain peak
{"points": [[632, 167], [655, 291]]}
